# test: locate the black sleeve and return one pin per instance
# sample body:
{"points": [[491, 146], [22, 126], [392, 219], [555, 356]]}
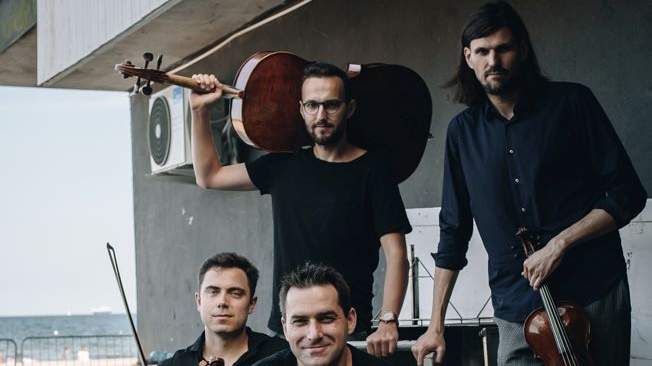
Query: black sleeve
{"points": [[623, 195], [260, 172], [386, 203]]}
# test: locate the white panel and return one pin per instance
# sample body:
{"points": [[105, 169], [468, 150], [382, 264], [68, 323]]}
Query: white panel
{"points": [[471, 298], [69, 30], [637, 246]]}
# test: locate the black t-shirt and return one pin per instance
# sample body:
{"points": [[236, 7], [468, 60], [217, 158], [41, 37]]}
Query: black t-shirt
{"points": [[259, 347], [330, 213], [286, 358]]}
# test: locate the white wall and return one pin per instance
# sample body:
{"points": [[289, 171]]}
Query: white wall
{"points": [[70, 30]]}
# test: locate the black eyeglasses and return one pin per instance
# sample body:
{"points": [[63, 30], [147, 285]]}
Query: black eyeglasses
{"points": [[330, 106]]}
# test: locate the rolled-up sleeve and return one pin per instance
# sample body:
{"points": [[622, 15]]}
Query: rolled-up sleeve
{"points": [[621, 193], [455, 219]]}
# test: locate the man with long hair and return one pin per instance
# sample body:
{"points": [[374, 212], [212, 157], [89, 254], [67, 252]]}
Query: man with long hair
{"points": [[532, 153]]}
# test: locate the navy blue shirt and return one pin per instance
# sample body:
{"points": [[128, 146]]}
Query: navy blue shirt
{"points": [[553, 162]]}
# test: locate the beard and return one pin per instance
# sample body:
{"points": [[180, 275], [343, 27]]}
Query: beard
{"points": [[501, 87], [326, 140]]}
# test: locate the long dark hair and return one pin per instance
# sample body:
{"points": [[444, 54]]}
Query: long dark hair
{"points": [[488, 19]]}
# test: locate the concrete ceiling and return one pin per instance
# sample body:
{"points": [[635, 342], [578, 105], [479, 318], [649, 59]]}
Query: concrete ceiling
{"points": [[184, 31]]}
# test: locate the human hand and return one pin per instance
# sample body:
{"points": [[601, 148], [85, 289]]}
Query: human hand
{"points": [[213, 89], [430, 341], [383, 341], [542, 263]]}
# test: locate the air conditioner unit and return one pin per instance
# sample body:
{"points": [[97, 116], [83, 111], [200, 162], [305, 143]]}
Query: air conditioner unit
{"points": [[168, 131]]}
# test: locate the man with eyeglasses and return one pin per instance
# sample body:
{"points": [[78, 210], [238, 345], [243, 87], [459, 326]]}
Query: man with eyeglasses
{"points": [[333, 203]]}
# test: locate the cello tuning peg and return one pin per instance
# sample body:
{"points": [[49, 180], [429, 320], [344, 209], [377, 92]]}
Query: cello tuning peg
{"points": [[148, 56], [159, 60], [128, 63], [147, 90]]}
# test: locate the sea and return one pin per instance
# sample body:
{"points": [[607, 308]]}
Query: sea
{"points": [[63, 336]]}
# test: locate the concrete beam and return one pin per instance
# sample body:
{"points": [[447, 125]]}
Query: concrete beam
{"points": [[18, 42], [179, 31]]}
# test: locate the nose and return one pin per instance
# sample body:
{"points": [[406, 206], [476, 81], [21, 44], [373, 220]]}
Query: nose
{"points": [[492, 58], [321, 112], [314, 330], [222, 300]]}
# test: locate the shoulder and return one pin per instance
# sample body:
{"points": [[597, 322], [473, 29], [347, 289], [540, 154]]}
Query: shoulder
{"points": [[265, 344], [566, 90], [361, 358], [280, 358], [180, 358], [467, 117]]}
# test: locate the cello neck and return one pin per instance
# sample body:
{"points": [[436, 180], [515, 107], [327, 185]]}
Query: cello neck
{"points": [[190, 83], [157, 76]]}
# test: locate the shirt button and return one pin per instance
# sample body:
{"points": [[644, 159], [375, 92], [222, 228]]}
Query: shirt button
{"points": [[511, 151], [522, 209], [516, 180]]}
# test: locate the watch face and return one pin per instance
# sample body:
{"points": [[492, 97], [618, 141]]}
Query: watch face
{"points": [[388, 316]]}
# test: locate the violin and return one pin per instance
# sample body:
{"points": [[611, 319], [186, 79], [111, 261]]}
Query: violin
{"points": [[559, 332], [393, 114]]}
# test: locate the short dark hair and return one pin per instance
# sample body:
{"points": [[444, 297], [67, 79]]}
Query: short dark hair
{"points": [[230, 260], [310, 275], [323, 69], [488, 19]]}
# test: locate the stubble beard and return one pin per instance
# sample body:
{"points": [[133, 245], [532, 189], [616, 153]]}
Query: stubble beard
{"points": [[328, 140]]}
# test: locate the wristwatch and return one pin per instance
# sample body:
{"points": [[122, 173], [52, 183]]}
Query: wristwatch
{"points": [[388, 316]]}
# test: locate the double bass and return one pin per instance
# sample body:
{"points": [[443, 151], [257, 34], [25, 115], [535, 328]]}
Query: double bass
{"points": [[559, 332], [393, 114]]}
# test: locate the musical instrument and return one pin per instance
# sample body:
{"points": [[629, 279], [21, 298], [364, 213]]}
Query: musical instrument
{"points": [[558, 333], [141, 355], [393, 114]]}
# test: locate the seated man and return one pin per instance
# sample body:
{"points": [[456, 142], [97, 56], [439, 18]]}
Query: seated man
{"points": [[317, 317], [227, 283]]}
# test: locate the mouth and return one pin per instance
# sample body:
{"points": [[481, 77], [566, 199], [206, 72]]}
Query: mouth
{"points": [[318, 348]]}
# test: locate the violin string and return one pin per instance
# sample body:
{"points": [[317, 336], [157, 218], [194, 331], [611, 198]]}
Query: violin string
{"points": [[558, 331], [564, 345]]}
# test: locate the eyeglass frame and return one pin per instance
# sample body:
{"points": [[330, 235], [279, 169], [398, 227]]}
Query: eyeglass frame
{"points": [[322, 104]]}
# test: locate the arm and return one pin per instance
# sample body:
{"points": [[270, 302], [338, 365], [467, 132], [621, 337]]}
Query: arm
{"points": [[209, 172], [544, 261], [383, 341], [433, 338], [622, 194]]}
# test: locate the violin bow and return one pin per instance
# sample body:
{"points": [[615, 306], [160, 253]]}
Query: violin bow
{"points": [[116, 271]]}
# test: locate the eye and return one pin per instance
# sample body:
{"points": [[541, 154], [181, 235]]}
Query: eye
{"points": [[237, 293], [332, 105], [299, 321], [311, 105]]}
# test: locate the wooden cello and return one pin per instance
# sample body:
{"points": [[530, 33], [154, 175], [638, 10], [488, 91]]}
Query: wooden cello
{"points": [[559, 332], [393, 114]]}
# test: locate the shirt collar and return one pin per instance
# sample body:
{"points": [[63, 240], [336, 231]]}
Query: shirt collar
{"points": [[524, 104], [254, 340]]}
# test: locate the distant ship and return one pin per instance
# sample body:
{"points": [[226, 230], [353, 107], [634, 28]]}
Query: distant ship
{"points": [[101, 310]]}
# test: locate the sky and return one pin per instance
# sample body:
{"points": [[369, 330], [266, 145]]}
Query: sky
{"points": [[65, 191]]}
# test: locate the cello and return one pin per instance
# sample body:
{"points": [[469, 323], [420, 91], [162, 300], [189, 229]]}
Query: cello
{"points": [[559, 332], [393, 114]]}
